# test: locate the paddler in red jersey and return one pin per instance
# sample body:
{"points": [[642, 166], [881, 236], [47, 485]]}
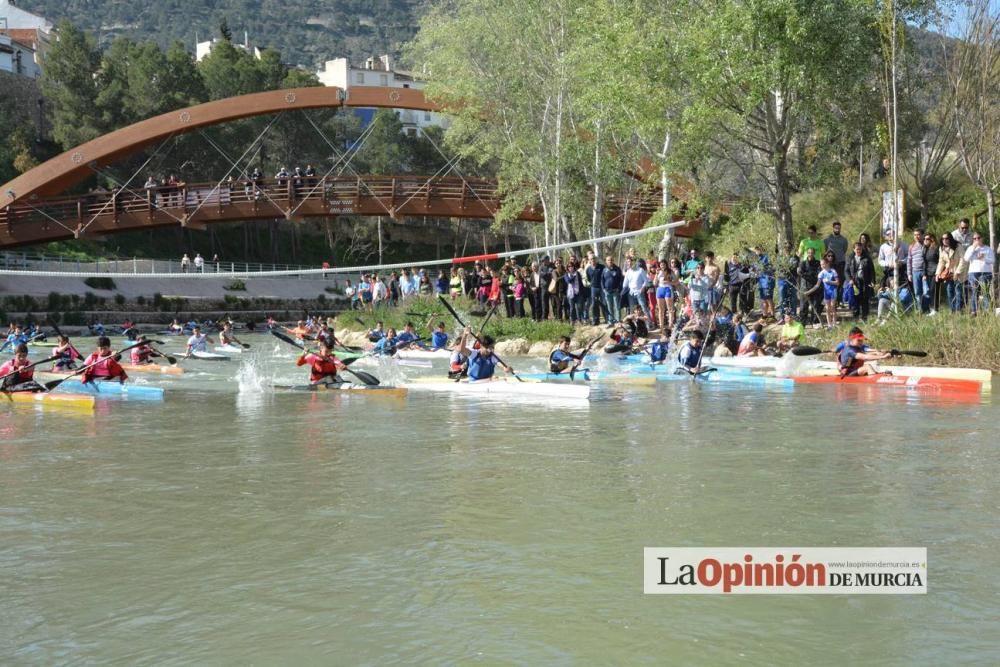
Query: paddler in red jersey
{"points": [[323, 365], [106, 366], [143, 354], [18, 374]]}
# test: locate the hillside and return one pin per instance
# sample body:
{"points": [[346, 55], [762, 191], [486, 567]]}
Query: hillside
{"points": [[306, 33]]}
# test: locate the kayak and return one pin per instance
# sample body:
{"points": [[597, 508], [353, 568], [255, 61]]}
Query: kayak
{"points": [[587, 375], [723, 376], [900, 381], [50, 399], [419, 353], [818, 367], [209, 356], [233, 349], [131, 391], [153, 368], [381, 390], [43, 343], [503, 387]]}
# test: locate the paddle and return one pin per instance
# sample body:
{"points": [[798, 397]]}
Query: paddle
{"points": [[55, 327], [907, 353], [366, 378], [52, 384], [489, 316], [806, 351], [583, 355], [170, 359], [465, 326]]}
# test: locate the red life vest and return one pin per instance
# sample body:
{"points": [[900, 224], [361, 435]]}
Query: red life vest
{"points": [[25, 375], [320, 367]]}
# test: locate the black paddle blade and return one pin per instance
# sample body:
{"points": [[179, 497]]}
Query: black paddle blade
{"points": [[909, 353], [367, 378], [246, 346], [287, 339], [805, 351], [52, 384]]}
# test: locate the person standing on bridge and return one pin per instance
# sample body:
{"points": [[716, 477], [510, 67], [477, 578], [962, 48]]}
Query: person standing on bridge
{"points": [[185, 263], [199, 263]]}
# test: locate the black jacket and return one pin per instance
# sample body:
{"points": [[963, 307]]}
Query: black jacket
{"points": [[860, 270]]}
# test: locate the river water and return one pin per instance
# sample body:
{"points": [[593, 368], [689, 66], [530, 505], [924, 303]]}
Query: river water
{"points": [[233, 525]]}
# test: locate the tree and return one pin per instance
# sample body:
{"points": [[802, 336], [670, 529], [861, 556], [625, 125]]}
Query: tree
{"points": [[973, 71], [764, 74], [69, 85]]}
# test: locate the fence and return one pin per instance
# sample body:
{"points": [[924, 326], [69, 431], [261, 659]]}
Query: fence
{"points": [[19, 261]]}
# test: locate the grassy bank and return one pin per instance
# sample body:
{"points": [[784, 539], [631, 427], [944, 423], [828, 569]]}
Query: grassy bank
{"points": [[949, 340], [418, 310]]}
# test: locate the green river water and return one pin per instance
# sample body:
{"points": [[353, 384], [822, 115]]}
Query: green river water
{"points": [[231, 525]]}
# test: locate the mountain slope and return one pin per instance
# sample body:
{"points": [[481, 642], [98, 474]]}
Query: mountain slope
{"points": [[307, 33]]}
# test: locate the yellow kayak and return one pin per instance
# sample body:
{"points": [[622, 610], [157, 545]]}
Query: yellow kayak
{"points": [[47, 398]]}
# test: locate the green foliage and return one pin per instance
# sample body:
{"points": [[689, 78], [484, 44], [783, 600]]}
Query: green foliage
{"points": [[69, 85], [141, 300], [55, 301], [99, 283], [120, 299], [16, 150], [236, 286], [74, 319]]}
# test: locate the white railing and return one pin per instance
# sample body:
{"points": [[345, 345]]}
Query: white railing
{"points": [[19, 261]]}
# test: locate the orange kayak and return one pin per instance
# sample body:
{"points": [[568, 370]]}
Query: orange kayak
{"points": [[943, 385]]}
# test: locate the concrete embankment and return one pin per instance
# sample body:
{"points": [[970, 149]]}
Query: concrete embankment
{"points": [[188, 288]]}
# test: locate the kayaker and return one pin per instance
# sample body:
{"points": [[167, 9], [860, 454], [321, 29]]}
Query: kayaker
{"points": [[387, 343], [198, 342], [300, 331], [129, 330], [143, 354], [637, 324], [106, 366], [854, 356], [752, 344], [458, 364], [176, 328], [482, 362], [561, 358], [439, 335], [690, 355], [792, 333], [67, 355], [378, 333], [323, 364], [15, 337], [18, 373], [658, 349], [324, 335], [407, 336], [227, 337]]}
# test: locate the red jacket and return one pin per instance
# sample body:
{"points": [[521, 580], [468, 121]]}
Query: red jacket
{"points": [[322, 367], [106, 368]]}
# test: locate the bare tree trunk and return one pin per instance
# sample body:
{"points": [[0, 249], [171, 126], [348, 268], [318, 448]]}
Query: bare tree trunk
{"points": [[991, 216]]}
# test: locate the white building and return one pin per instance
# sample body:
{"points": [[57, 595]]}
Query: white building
{"points": [[12, 16], [18, 58], [202, 49], [379, 72]]}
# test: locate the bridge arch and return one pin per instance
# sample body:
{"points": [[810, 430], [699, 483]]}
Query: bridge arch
{"points": [[71, 167]]}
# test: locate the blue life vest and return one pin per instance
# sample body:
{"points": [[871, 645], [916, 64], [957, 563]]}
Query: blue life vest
{"points": [[658, 351], [439, 339], [480, 367]]}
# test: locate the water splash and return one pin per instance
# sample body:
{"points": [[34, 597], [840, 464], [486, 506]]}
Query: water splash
{"points": [[249, 378]]}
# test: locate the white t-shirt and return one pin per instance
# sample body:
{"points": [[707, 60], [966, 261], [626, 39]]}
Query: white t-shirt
{"points": [[980, 260], [635, 280], [198, 343]]}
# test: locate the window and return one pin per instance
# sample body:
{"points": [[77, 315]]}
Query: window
{"points": [[359, 77], [411, 131], [427, 116], [383, 80]]}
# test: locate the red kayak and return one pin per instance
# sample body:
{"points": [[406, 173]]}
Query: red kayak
{"points": [[902, 381]]}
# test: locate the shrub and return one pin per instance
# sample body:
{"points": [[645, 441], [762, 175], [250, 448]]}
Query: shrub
{"points": [[100, 283], [321, 299], [120, 299], [55, 300], [89, 300], [236, 286], [55, 317], [157, 300], [75, 319], [141, 300]]}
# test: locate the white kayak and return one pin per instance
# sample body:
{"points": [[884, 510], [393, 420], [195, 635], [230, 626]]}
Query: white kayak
{"points": [[209, 356], [228, 349], [502, 386], [418, 353]]}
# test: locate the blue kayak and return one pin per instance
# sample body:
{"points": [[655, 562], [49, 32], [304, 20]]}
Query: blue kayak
{"points": [[109, 389]]}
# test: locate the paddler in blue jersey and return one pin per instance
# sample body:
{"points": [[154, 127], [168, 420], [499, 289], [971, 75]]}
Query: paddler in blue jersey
{"points": [[378, 333], [658, 349], [560, 359], [853, 356], [439, 335], [691, 352], [406, 337], [482, 362]]}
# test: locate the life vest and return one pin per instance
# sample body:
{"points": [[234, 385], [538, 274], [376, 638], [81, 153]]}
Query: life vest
{"points": [[320, 367], [22, 374], [480, 367], [847, 361], [104, 367], [141, 355]]}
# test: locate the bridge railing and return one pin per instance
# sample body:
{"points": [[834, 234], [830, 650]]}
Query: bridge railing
{"points": [[184, 199]]}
